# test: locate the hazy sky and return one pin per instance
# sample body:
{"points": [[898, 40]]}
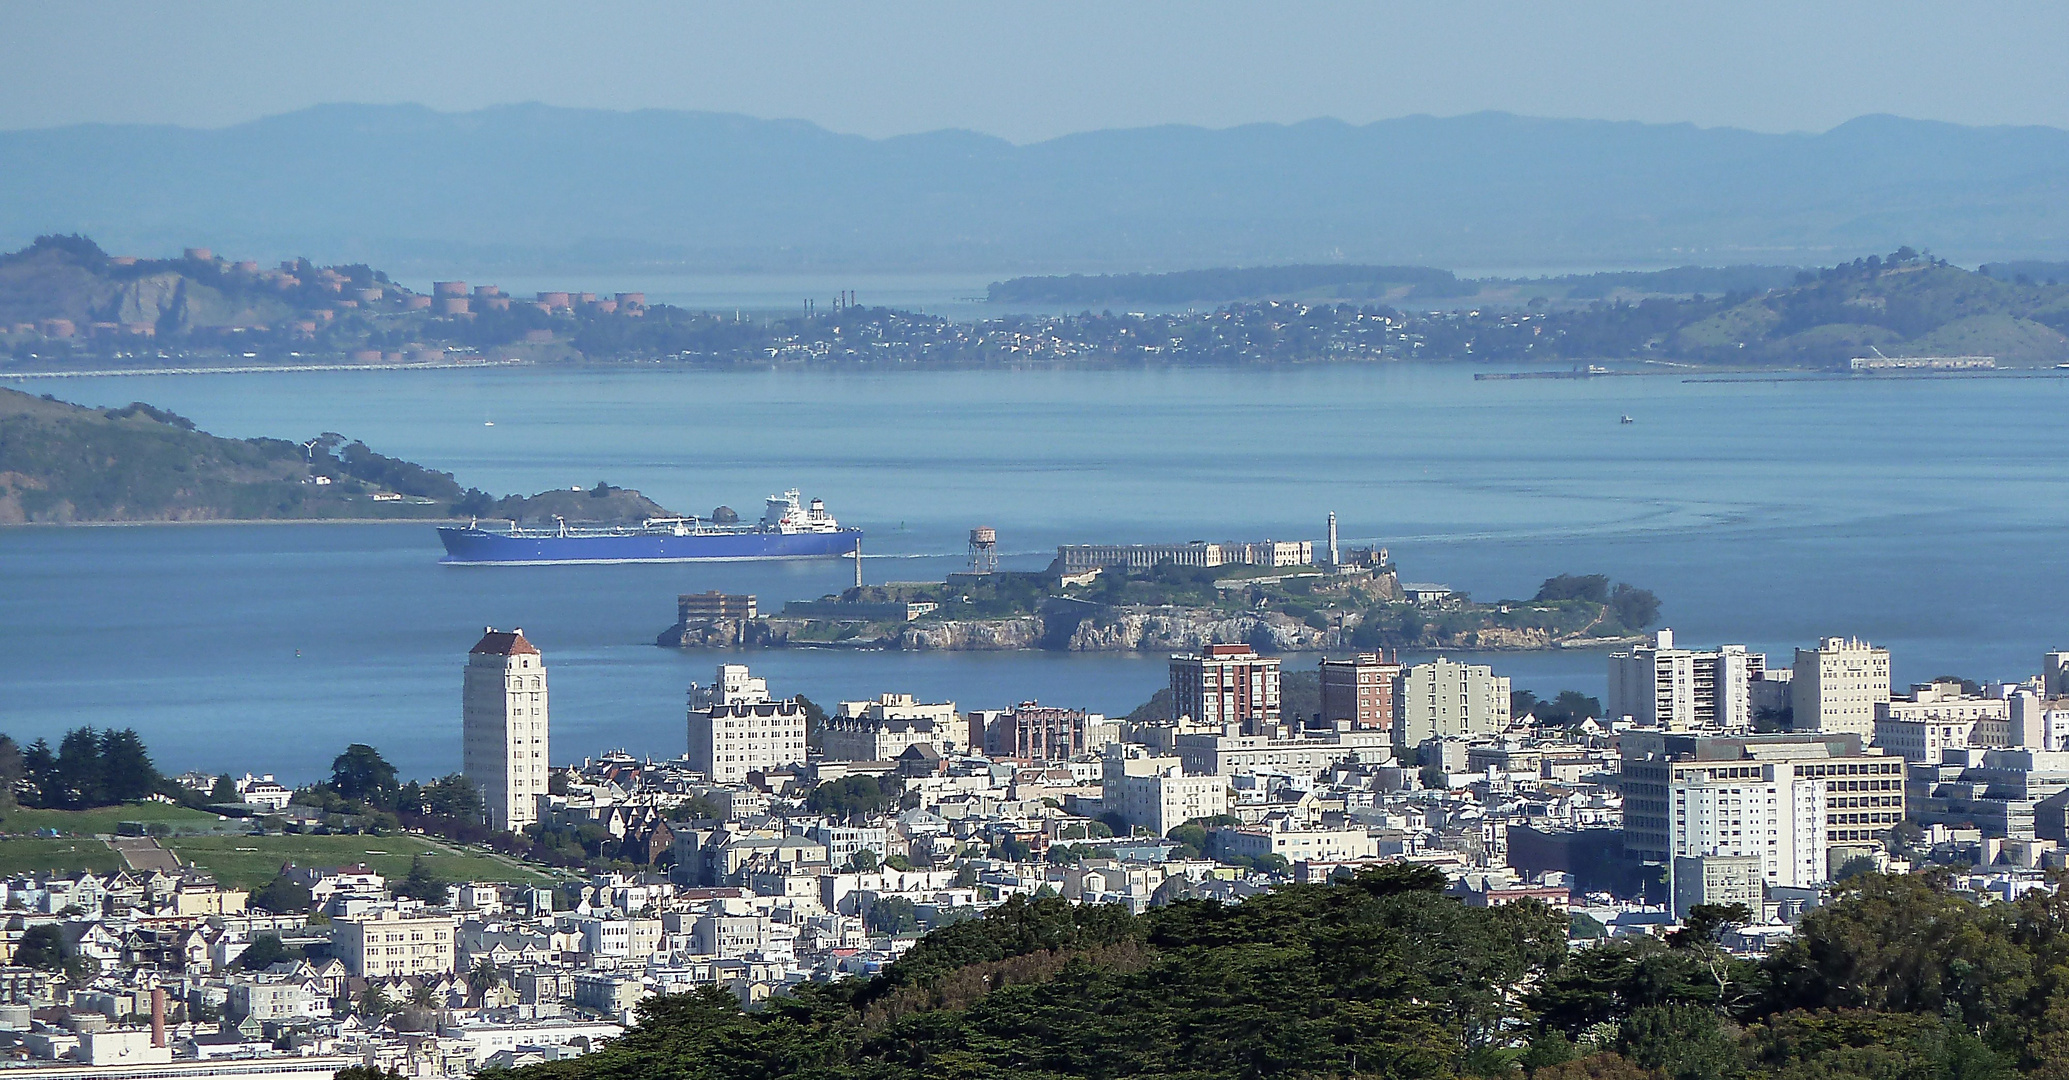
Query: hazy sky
{"points": [[1030, 71]]}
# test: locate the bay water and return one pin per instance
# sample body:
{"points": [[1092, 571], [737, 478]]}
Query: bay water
{"points": [[1923, 514]]}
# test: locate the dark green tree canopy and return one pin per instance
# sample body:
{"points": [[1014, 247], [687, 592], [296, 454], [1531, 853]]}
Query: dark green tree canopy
{"points": [[362, 773]]}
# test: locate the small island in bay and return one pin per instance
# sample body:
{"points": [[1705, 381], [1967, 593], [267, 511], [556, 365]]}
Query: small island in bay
{"points": [[63, 464], [1359, 604]]}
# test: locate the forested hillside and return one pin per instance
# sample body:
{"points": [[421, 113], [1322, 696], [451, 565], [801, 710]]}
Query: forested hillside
{"points": [[1898, 979], [66, 463]]}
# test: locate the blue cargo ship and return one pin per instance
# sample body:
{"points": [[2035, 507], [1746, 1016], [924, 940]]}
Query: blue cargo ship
{"points": [[787, 530]]}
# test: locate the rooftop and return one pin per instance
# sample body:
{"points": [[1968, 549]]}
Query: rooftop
{"points": [[496, 642]]}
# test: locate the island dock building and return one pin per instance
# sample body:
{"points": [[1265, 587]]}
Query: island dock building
{"points": [[692, 609]]}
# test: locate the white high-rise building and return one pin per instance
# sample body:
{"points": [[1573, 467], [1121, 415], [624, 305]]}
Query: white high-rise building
{"points": [[736, 729], [1152, 791], [1675, 689], [1838, 686], [734, 685], [1789, 800], [1772, 816], [503, 724]]}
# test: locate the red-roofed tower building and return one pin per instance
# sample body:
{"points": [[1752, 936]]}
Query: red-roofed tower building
{"points": [[503, 728]]}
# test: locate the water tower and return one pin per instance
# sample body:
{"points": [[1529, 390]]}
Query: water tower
{"points": [[984, 549]]}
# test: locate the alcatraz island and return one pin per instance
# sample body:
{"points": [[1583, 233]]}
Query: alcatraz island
{"points": [[1274, 595]]}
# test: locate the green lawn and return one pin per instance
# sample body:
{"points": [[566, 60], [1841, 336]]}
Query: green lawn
{"points": [[21, 856], [105, 819], [252, 861], [220, 846]]}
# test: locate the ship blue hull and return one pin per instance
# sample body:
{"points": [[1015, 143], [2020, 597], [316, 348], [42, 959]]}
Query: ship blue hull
{"points": [[479, 546]]}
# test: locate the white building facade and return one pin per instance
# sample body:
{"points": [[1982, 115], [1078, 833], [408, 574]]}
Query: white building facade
{"points": [[735, 729], [503, 721], [1154, 792], [1773, 816], [389, 944], [1659, 685]]}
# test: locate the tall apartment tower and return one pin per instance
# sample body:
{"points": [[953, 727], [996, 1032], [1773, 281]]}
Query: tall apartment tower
{"points": [[1227, 684], [1360, 690], [1659, 685], [1446, 699], [503, 728], [1838, 685]]}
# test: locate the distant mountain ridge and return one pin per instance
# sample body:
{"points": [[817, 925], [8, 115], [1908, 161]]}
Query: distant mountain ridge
{"points": [[546, 187]]}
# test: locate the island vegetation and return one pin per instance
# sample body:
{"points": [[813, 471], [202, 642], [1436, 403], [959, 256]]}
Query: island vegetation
{"points": [[63, 463]]}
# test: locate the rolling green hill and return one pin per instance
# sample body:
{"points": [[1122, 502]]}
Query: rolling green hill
{"points": [[1903, 306], [62, 463]]}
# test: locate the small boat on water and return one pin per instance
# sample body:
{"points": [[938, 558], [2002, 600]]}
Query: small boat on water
{"points": [[1627, 419]]}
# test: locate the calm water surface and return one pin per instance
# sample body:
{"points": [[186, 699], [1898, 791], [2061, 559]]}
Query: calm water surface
{"points": [[1924, 514]]}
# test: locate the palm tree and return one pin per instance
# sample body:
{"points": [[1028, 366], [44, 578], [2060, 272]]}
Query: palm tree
{"points": [[483, 977], [373, 1004]]}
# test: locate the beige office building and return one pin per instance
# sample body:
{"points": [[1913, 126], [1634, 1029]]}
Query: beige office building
{"points": [[1153, 792], [389, 944], [881, 730], [1839, 686], [1447, 699]]}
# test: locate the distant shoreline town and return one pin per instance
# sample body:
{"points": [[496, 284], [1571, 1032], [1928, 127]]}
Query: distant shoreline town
{"points": [[67, 305]]}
